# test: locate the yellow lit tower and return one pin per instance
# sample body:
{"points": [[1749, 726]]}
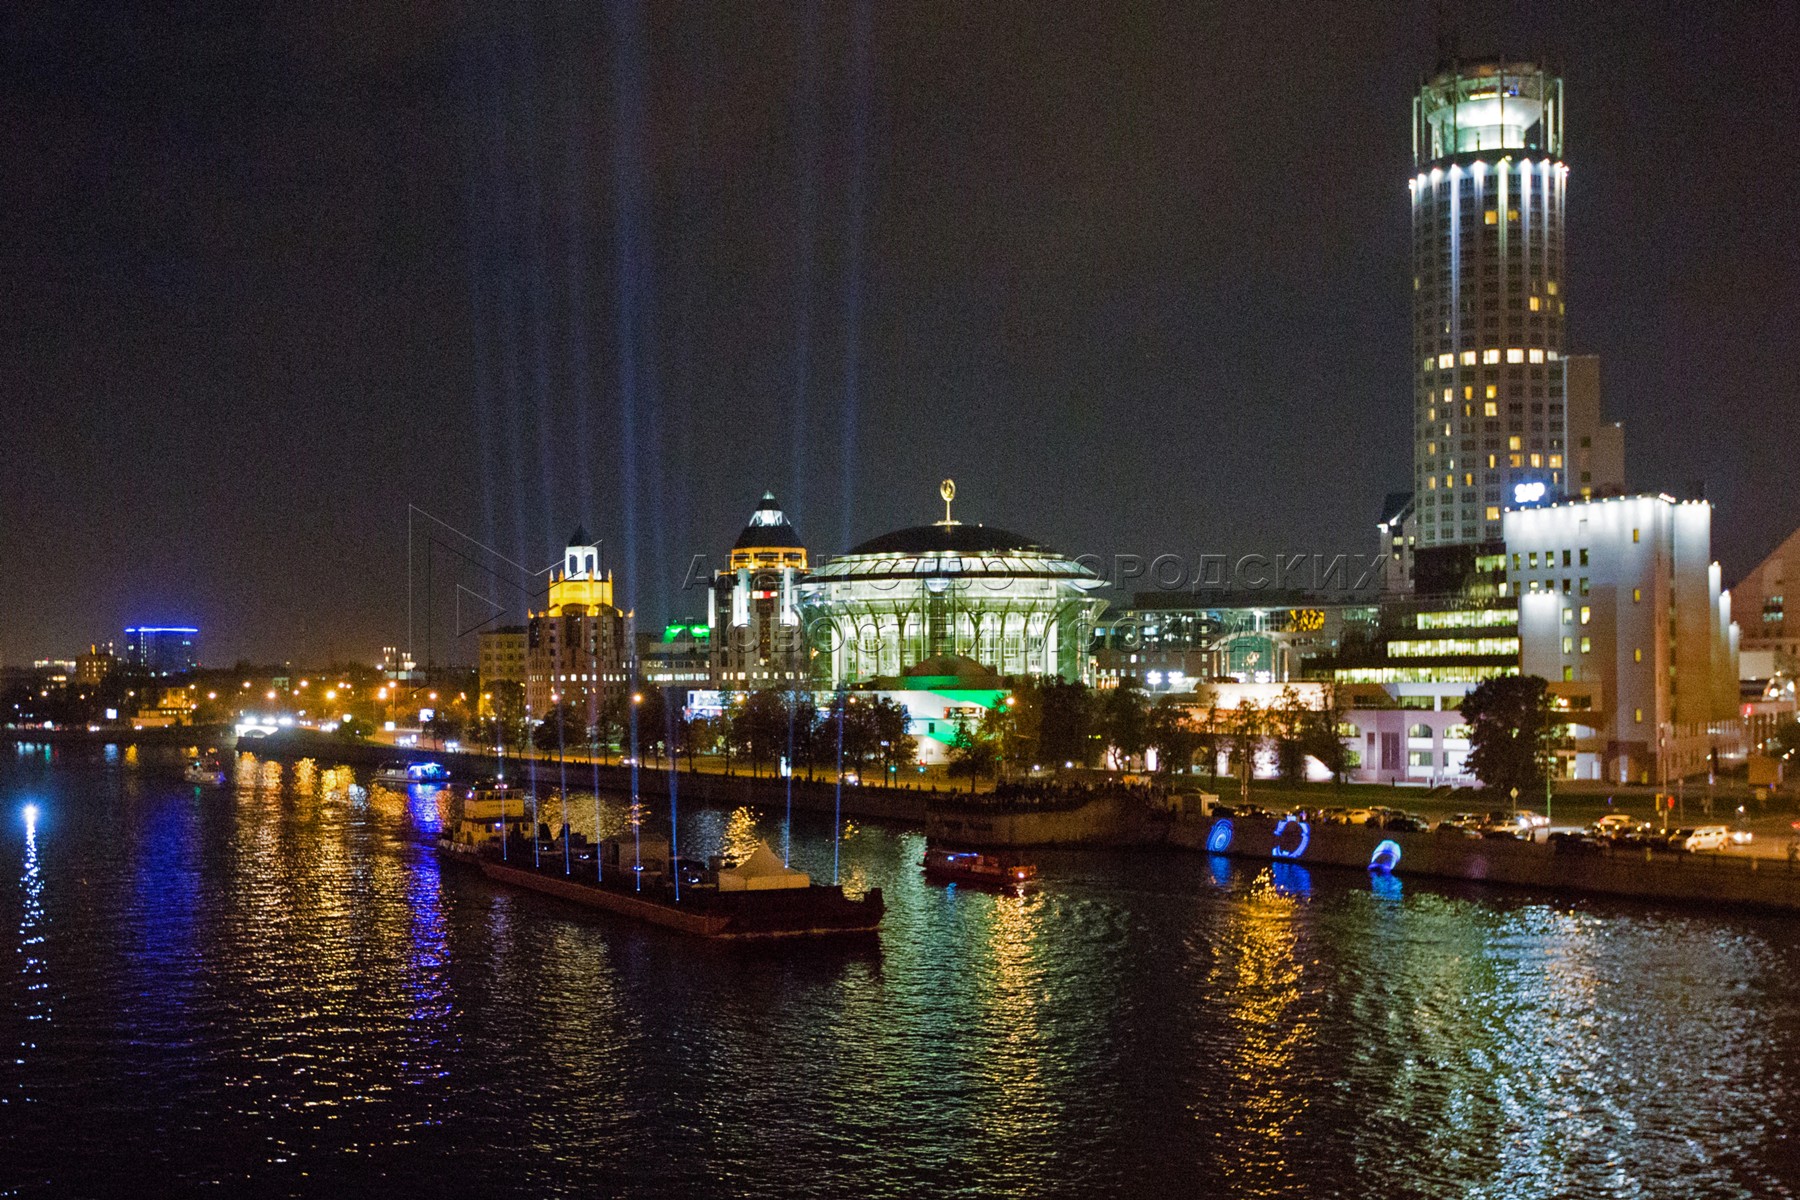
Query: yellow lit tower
{"points": [[1490, 422], [754, 605], [575, 647]]}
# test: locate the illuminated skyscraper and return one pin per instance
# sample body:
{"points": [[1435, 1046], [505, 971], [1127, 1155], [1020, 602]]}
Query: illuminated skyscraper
{"points": [[1490, 426]]}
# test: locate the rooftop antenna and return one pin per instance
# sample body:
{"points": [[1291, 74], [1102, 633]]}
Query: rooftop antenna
{"points": [[947, 490]]}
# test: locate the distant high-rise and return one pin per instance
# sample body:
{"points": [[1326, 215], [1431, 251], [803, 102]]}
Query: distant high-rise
{"points": [[1490, 426], [162, 649]]}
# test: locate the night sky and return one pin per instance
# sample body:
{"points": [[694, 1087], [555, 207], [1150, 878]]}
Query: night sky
{"points": [[1136, 277]]}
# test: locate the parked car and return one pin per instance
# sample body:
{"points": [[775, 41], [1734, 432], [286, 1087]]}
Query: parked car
{"points": [[1499, 824], [1616, 824], [1533, 820], [1569, 842], [1702, 837]]}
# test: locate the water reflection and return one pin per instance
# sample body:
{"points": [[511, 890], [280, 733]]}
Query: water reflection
{"points": [[287, 989], [1258, 976], [38, 1004]]}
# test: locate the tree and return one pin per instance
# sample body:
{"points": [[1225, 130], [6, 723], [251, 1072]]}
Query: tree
{"points": [[1248, 724], [1288, 721], [1066, 729], [444, 727], [972, 750], [888, 721], [1167, 729], [763, 727], [506, 699], [561, 728], [1510, 732], [1124, 721]]}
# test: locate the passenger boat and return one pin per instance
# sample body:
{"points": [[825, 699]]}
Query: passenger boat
{"points": [[971, 866], [405, 774], [758, 898], [208, 770]]}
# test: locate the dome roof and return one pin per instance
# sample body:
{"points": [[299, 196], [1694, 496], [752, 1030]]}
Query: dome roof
{"points": [[768, 529], [950, 539]]}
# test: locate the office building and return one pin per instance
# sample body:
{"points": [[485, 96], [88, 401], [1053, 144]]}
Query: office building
{"points": [[753, 609], [1623, 610], [500, 657], [161, 649], [577, 648], [1490, 424]]}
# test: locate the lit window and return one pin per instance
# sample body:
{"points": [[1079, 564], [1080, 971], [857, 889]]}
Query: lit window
{"points": [[1512, 214], [1493, 461], [1492, 391], [1468, 358], [1490, 357], [1537, 460], [1637, 654], [1568, 645], [1515, 356], [1512, 443], [1493, 512], [1637, 594], [1536, 356], [1431, 484], [1634, 533], [1550, 287], [1638, 715], [1446, 361], [1449, 481], [1491, 217], [1568, 674], [1586, 614], [1469, 391], [1586, 645], [1447, 395], [1490, 409], [1517, 460], [1431, 447], [1534, 304], [1556, 460], [1568, 616]]}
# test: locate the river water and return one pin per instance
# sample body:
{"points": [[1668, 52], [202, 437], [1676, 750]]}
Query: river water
{"points": [[279, 988]]}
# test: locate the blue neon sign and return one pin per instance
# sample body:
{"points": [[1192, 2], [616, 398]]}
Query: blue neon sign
{"points": [[1386, 856], [1281, 827], [1218, 840]]}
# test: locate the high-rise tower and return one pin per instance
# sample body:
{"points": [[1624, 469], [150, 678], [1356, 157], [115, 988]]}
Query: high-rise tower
{"points": [[1490, 427]]}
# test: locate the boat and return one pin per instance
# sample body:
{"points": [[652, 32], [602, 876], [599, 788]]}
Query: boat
{"points": [[207, 770], [972, 866], [405, 774], [758, 898]]}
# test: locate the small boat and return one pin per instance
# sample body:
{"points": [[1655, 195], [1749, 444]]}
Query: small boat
{"points": [[972, 866], [206, 770], [483, 815], [405, 774]]}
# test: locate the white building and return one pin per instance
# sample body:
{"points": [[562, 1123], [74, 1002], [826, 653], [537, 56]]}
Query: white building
{"points": [[1622, 609]]}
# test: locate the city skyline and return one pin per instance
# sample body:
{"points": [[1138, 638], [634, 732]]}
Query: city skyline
{"points": [[1146, 285]]}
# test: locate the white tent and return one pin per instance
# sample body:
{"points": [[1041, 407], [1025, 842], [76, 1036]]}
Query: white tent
{"points": [[762, 871]]}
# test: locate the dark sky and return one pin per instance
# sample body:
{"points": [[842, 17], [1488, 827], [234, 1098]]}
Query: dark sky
{"points": [[1135, 276]]}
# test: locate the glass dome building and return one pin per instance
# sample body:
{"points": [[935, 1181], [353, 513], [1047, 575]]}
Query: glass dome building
{"points": [[973, 591]]}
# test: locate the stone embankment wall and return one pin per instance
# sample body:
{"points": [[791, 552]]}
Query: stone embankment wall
{"points": [[1720, 880], [706, 788], [1103, 821]]}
